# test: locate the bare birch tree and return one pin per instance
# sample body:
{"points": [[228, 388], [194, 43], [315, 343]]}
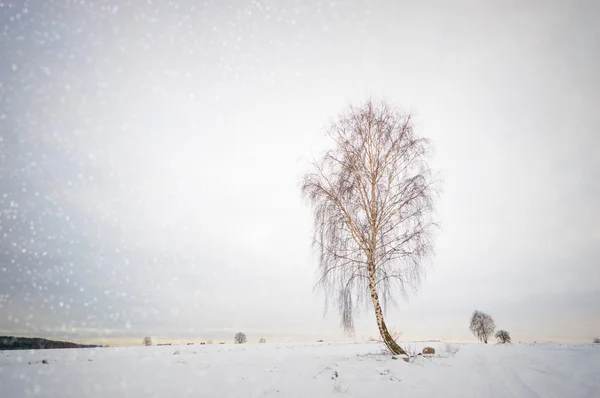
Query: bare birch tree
{"points": [[372, 200], [482, 325]]}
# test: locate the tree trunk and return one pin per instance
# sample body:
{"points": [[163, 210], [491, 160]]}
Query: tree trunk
{"points": [[383, 331]]}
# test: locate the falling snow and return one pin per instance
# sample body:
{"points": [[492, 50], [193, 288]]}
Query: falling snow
{"points": [[150, 154]]}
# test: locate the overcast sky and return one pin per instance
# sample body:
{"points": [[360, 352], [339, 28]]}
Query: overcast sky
{"points": [[151, 152]]}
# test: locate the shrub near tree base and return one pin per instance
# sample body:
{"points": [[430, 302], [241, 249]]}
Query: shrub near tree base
{"points": [[503, 337]]}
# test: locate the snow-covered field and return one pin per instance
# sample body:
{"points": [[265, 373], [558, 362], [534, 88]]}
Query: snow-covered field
{"points": [[304, 370]]}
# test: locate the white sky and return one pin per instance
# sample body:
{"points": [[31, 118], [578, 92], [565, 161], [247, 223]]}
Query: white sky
{"points": [[150, 155]]}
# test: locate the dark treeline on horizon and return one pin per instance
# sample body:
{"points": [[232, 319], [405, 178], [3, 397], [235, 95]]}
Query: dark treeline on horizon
{"points": [[36, 343]]}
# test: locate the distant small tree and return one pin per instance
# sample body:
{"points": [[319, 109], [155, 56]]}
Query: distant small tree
{"points": [[597, 340], [262, 340], [482, 325], [239, 338], [147, 341], [503, 336]]}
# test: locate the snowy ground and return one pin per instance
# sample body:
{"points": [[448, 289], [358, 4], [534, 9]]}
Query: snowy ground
{"points": [[303, 370]]}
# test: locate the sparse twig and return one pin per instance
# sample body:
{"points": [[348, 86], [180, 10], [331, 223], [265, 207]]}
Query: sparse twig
{"points": [[337, 384], [321, 371], [411, 351], [449, 349]]}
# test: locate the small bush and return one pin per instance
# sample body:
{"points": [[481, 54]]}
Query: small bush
{"points": [[597, 340], [411, 352], [503, 337], [449, 349]]}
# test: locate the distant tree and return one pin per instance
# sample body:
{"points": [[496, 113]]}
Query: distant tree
{"points": [[482, 325], [239, 338], [262, 340], [503, 336], [597, 340], [147, 341]]}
